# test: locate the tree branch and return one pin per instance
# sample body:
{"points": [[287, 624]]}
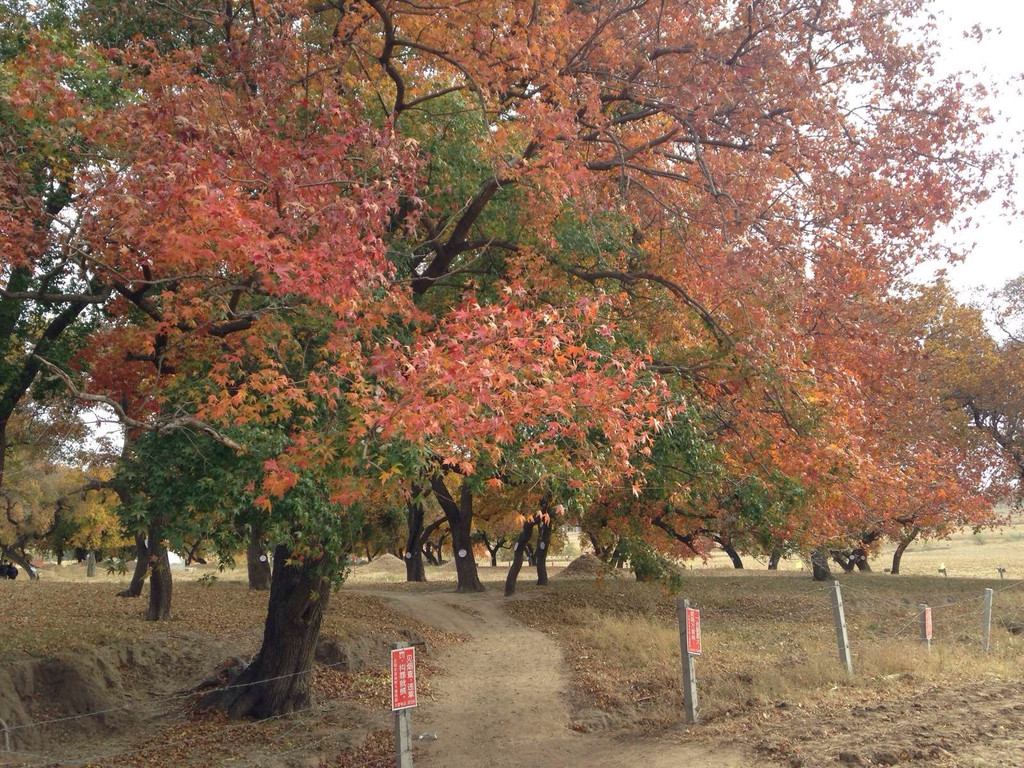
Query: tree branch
{"points": [[160, 426]]}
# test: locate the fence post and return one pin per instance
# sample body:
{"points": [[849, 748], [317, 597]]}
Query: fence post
{"points": [[840, 619], [7, 736], [926, 624], [403, 726], [986, 621], [689, 671]]}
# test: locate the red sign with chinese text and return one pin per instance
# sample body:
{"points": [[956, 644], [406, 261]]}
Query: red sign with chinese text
{"points": [[693, 631], [927, 622], [403, 678]]}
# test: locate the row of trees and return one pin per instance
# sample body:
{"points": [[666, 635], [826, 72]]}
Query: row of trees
{"points": [[637, 265]]}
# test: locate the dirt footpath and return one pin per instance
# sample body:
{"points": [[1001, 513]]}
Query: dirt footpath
{"points": [[500, 699]]}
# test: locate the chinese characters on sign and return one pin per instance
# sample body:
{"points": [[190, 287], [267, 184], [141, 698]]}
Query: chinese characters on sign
{"points": [[693, 631], [403, 678]]}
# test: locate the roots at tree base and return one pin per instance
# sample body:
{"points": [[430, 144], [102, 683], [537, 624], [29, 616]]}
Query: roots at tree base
{"points": [[278, 680]]}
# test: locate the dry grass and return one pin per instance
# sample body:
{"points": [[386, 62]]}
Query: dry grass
{"points": [[769, 640]]}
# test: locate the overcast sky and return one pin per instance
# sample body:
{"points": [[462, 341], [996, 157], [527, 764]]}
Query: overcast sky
{"points": [[998, 59]]}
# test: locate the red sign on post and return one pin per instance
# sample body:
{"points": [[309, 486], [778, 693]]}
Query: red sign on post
{"points": [[927, 622], [693, 631], [403, 678]]}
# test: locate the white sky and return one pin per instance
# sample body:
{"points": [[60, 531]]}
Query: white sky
{"points": [[994, 247]]}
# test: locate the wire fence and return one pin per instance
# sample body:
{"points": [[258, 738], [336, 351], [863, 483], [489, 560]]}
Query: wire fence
{"points": [[173, 710]]}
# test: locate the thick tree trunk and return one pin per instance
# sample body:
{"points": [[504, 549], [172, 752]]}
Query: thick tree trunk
{"points": [[843, 559], [730, 550], [141, 568], [460, 524], [414, 569], [519, 551], [860, 559], [160, 581], [897, 556], [544, 529], [256, 561], [21, 559], [819, 565], [278, 681], [774, 558]]}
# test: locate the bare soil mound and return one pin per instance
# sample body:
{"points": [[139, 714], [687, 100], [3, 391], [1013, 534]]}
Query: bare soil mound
{"points": [[586, 566], [385, 564]]}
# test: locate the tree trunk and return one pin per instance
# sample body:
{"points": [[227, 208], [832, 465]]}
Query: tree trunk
{"points": [[192, 557], [843, 559], [517, 556], [414, 569], [256, 561], [860, 559], [774, 558], [160, 582], [897, 556], [20, 559], [730, 550], [545, 526], [141, 568], [460, 524], [493, 548], [819, 564], [619, 555], [278, 681]]}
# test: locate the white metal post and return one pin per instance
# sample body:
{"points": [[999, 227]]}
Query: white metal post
{"points": [[840, 619]]}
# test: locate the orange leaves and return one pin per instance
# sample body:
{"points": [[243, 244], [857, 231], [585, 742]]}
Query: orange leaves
{"points": [[277, 480]]}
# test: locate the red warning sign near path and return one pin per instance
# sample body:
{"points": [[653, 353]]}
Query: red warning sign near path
{"points": [[927, 622], [693, 631], [403, 678]]}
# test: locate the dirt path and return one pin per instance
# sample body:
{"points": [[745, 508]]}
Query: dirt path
{"points": [[500, 699]]}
